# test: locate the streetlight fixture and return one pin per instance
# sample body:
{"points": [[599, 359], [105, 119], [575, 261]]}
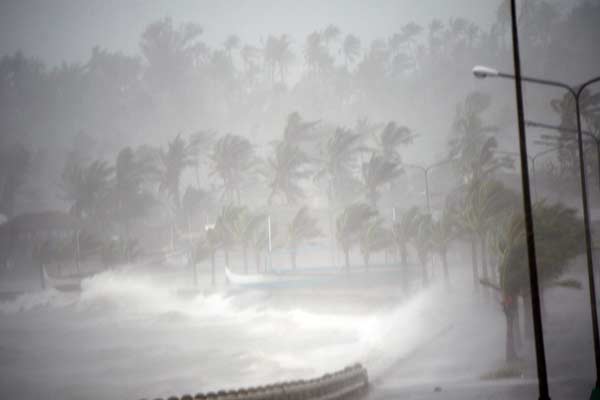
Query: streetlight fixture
{"points": [[426, 171], [556, 138], [487, 72]]}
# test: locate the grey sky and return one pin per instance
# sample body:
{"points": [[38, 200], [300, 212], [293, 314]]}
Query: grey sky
{"points": [[67, 29]]}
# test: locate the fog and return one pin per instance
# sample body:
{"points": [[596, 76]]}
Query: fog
{"points": [[205, 196]]}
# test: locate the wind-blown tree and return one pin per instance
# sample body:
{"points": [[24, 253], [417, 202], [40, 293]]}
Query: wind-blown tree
{"points": [[178, 156], [297, 130], [302, 228], [558, 239], [131, 200], [86, 187], [232, 159], [316, 54], [403, 231], [207, 248], [338, 160], [350, 224], [193, 202], [393, 136], [286, 168], [373, 239], [15, 161], [278, 56], [376, 173], [471, 146], [443, 231], [200, 143], [485, 204], [423, 244], [226, 226], [243, 227], [350, 49]]}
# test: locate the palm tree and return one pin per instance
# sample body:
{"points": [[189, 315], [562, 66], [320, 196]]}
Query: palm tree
{"points": [[350, 49], [423, 244], [558, 239], [228, 227], [243, 228], [373, 239], [259, 241], [86, 187], [316, 53], [194, 201], [207, 248], [485, 204], [297, 130], [287, 167], [377, 172], [15, 161], [403, 231], [350, 224], [172, 162], [200, 143], [278, 55], [392, 136], [131, 199], [231, 159], [302, 228], [442, 234]]}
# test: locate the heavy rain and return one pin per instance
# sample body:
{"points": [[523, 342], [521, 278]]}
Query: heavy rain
{"points": [[299, 200]]}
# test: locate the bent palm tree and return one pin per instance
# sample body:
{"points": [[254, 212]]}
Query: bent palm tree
{"points": [[350, 225], [377, 172], [302, 228], [558, 239], [373, 239], [287, 167], [232, 159]]}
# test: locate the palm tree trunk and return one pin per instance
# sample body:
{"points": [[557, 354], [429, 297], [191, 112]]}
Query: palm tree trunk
{"points": [[212, 268], [347, 259], [245, 251], [293, 257], [484, 269], [445, 267], [511, 353], [474, 265]]}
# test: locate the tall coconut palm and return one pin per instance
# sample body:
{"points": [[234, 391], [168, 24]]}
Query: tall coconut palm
{"points": [[286, 168], [350, 224], [200, 143], [350, 49], [302, 228], [443, 231], [485, 204], [178, 156], [377, 172], [423, 244], [227, 226], [243, 228], [558, 239], [131, 199], [86, 187], [297, 130], [393, 136], [232, 159], [278, 55], [403, 231], [207, 248], [373, 239]]}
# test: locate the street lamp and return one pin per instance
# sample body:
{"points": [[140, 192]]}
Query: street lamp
{"points": [[559, 128], [426, 171], [487, 72], [532, 159]]}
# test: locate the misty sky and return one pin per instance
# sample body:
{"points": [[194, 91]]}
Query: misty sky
{"points": [[67, 29]]}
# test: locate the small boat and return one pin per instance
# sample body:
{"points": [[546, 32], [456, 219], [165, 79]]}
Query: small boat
{"points": [[68, 283]]}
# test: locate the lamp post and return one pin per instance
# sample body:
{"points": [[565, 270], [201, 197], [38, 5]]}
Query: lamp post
{"points": [[527, 208], [532, 159], [426, 171], [485, 72], [558, 128]]}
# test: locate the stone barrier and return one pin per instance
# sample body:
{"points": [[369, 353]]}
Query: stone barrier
{"points": [[349, 383]]}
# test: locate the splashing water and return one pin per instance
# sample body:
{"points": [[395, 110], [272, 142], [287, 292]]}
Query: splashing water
{"points": [[127, 335]]}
